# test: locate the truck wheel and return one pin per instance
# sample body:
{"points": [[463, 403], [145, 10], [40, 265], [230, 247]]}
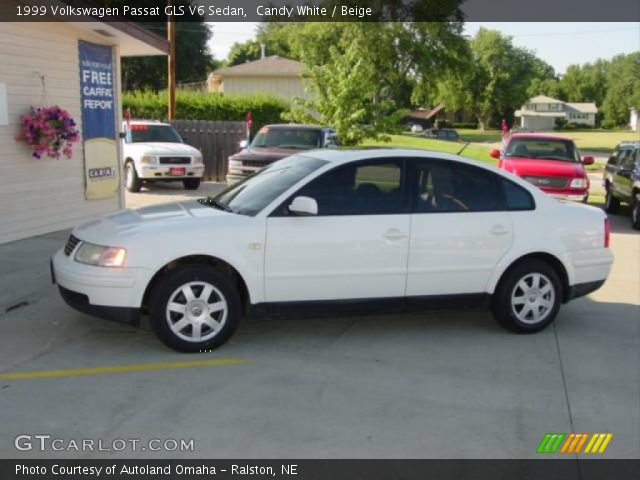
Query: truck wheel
{"points": [[611, 203], [528, 297], [195, 308], [635, 213], [131, 180], [191, 183]]}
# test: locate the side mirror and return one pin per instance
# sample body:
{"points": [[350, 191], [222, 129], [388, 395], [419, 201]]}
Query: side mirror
{"points": [[304, 206], [587, 160], [495, 153], [122, 135], [184, 139], [243, 143]]}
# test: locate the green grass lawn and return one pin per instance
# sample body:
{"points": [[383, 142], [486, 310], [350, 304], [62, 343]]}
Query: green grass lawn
{"points": [[477, 152]]}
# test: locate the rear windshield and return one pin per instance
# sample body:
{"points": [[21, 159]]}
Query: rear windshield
{"points": [[294, 138], [153, 133], [543, 149]]}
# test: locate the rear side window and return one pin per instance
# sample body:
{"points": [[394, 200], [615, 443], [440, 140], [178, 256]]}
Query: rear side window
{"points": [[516, 197]]}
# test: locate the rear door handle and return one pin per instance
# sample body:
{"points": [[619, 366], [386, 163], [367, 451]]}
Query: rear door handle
{"points": [[499, 230], [394, 234]]}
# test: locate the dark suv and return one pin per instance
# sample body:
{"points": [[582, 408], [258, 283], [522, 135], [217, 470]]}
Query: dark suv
{"points": [[274, 142], [622, 180]]}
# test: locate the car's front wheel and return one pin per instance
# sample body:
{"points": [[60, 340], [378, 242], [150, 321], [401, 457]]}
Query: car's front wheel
{"points": [[194, 309], [528, 298], [611, 203], [191, 183], [131, 180]]}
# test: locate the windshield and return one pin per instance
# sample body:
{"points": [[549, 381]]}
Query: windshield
{"points": [[543, 149], [257, 191], [294, 138], [154, 133]]}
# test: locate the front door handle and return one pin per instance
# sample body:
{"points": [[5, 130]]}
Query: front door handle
{"points": [[394, 234], [498, 230]]}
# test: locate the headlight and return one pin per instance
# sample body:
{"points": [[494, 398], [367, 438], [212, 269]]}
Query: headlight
{"points": [[148, 159], [101, 256], [579, 183], [197, 159]]}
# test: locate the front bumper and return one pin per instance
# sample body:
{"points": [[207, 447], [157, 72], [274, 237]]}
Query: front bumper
{"points": [[162, 172], [114, 293], [572, 197]]}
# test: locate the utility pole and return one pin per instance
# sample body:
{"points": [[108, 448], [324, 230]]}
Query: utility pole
{"points": [[171, 63]]}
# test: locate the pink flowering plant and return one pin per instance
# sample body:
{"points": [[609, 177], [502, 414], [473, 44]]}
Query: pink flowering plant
{"points": [[50, 131]]}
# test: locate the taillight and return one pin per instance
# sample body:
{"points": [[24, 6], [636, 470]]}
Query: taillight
{"points": [[607, 232]]}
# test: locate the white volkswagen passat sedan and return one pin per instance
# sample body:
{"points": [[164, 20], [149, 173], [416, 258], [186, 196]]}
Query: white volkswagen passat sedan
{"points": [[399, 228]]}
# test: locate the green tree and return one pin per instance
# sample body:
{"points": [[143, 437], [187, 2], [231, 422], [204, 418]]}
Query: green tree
{"points": [[495, 81], [623, 88], [242, 52], [585, 83], [193, 59]]}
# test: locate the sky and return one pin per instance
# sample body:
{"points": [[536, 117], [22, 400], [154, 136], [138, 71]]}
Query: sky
{"points": [[558, 43]]}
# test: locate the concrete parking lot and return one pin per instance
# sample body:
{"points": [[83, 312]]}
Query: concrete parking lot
{"points": [[433, 385]]}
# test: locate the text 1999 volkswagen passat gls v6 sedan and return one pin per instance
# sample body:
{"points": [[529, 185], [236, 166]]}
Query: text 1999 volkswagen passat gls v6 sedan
{"points": [[398, 227]]}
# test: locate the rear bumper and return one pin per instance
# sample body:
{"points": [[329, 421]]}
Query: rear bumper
{"points": [[582, 289]]}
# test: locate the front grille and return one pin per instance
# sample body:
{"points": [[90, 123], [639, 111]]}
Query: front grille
{"points": [[175, 160], [71, 245], [547, 182], [254, 163]]}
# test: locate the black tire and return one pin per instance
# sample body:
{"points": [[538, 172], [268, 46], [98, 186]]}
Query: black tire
{"points": [[611, 203], [166, 291], [507, 314], [131, 180], [635, 212], [191, 183]]}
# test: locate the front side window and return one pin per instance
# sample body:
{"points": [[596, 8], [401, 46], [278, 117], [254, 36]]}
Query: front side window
{"points": [[364, 188], [154, 133], [542, 149], [445, 186], [257, 191]]}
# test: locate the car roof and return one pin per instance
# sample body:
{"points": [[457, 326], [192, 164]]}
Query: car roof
{"points": [[540, 136]]}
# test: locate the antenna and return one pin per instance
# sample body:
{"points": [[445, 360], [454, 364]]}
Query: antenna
{"points": [[462, 149]]}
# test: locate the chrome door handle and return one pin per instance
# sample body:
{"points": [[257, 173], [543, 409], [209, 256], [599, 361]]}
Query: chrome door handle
{"points": [[394, 234], [498, 230]]}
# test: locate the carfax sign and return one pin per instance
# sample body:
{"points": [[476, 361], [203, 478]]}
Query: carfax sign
{"points": [[97, 94]]}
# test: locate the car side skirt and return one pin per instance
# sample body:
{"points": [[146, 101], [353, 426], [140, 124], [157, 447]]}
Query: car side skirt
{"points": [[328, 308]]}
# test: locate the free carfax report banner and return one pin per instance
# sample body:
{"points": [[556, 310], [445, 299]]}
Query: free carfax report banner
{"points": [[98, 121]]}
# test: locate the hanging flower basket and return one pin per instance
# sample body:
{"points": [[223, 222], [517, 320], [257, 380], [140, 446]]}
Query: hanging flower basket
{"points": [[50, 131]]}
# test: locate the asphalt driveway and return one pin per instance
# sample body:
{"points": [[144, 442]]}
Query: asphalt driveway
{"points": [[434, 385]]}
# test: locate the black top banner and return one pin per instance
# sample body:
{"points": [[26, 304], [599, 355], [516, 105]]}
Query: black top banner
{"points": [[118, 469], [322, 10]]}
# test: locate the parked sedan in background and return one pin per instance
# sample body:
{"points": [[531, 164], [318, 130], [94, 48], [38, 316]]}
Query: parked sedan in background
{"points": [[549, 162], [442, 134], [400, 229], [621, 180], [274, 142]]}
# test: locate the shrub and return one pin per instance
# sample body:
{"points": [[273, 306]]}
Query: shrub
{"points": [[465, 125], [608, 124], [207, 106], [560, 123]]}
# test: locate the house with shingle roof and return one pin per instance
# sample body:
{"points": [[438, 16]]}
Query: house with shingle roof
{"points": [[274, 75], [541, 112]]}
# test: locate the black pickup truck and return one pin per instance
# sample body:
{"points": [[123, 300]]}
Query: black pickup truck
{"points": [[621, 180]]}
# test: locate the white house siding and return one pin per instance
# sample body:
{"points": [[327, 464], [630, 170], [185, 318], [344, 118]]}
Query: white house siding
{"points": [[41, 196], [286, 87]]}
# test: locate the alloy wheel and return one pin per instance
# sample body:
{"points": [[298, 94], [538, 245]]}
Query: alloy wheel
{"points": [[533, 298]]}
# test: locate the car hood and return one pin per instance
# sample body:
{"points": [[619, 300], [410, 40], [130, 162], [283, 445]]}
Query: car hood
{"points": [[553, 168], [266, 154], [162, 148], [115, 229]]}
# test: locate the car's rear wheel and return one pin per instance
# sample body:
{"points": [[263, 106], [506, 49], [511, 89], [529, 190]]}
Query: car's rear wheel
{"points": [[528, 297], [195, 309], [191, 183], [635, 212], [131, 180], [611, 203]]}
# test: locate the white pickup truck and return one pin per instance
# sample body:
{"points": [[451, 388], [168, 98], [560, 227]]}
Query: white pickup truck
{"points": [[154, 151]]}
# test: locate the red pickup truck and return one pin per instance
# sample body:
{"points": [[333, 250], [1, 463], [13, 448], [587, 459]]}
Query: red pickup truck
{"points": [[549, 162]]}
